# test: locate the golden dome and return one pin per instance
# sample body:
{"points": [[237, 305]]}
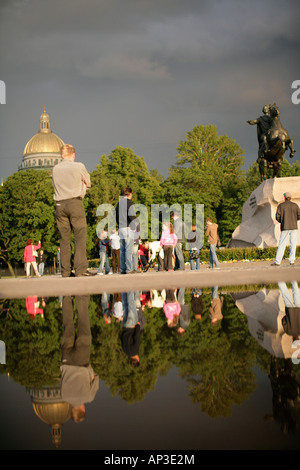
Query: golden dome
{"points": [[51, 409], [44, 141]]}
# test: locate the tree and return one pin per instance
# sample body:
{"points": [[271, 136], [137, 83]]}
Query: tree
{"points": [[207, 165], [27, 210], [116, 171]]}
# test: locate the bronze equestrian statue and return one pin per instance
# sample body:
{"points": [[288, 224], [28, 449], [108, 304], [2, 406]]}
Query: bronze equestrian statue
{"points": [[273, 141]]}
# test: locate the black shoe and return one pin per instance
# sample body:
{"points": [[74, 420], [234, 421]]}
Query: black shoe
{"points": [[275, 264]]}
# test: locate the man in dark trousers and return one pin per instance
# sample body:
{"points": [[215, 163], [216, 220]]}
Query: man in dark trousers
{"points": [[70, 181], [287, 214], [127, 222]]}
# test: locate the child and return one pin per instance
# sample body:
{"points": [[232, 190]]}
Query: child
{"points": [[168, 240], [30, 255]]}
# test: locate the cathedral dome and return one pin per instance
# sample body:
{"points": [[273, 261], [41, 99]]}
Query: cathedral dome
{"points": [[51, 409], [42, 151], [45, 141]]}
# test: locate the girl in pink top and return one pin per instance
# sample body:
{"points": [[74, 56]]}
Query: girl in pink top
{"points": [[30, 258], [168, 240]]}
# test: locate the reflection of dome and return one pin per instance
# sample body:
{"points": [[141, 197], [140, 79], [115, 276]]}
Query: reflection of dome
{"points": [[42, 151], [51, 409]]}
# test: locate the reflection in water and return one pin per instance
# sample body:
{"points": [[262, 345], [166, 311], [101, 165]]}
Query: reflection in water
{"points": [[133, 325], [33, 306], [200, 332], [274, 320], [79, 383], [270, 314]]}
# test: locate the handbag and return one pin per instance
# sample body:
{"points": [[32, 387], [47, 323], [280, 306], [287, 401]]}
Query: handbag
{"points": [[194, 254]]}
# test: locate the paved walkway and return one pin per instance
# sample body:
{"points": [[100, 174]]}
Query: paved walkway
{"points": [[230, 274]]}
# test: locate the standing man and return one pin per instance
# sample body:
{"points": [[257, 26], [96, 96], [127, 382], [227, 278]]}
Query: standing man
{"points": [[127, 221], [70, 181], [287, 214], [211, 231], [180, 233]]}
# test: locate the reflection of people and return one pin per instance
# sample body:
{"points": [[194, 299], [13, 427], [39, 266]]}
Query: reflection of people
{"points": [[127, 222], [106, 307], [291, 320], [185, 315], [211, 231], [132, 326], [70, 181], [197, 303], [33, 306], [30, 255], [118, 307], [287, 214], [171, 308], [79, 384], [215, 308]]}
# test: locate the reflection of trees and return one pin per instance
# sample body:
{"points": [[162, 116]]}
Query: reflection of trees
{"points": [[286, 394], [32, 346], [219, 366], [217, 362], [113, 367]]}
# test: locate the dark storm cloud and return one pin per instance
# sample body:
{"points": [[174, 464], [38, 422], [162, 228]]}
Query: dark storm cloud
{"points": [[143, 73]]}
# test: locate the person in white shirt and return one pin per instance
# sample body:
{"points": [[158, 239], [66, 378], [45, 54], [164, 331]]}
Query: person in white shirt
{"points": [[115, 251]]}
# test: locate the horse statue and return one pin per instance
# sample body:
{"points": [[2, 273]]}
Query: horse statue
{"points": [[273, 141]]}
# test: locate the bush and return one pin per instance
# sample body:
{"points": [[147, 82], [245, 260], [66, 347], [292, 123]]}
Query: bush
{"points": [[238, 254]]}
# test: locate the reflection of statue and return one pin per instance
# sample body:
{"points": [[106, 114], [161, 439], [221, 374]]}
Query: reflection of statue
{"points": [[273, 141]]}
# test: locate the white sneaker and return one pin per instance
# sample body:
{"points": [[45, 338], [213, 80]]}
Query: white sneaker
{"points": [[99, 274]]}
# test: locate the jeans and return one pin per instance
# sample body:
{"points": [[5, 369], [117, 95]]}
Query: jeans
{"points": [[103, 261], [41, 269], [213, 259], [285, 234], [126, 250], [179, 259], [195, 261], [130, 315], [135, 257], [288, 302]]}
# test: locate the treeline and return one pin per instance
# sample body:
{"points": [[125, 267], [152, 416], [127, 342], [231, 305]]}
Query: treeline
{"points": [[208, 170]]}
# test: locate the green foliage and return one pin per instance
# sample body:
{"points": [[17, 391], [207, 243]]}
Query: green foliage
{"points": [[208, 171], [216, 361], [27, 210], [122, 168], [207, 166]]}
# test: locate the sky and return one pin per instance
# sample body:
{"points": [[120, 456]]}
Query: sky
{"points": [[143, 73]]}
